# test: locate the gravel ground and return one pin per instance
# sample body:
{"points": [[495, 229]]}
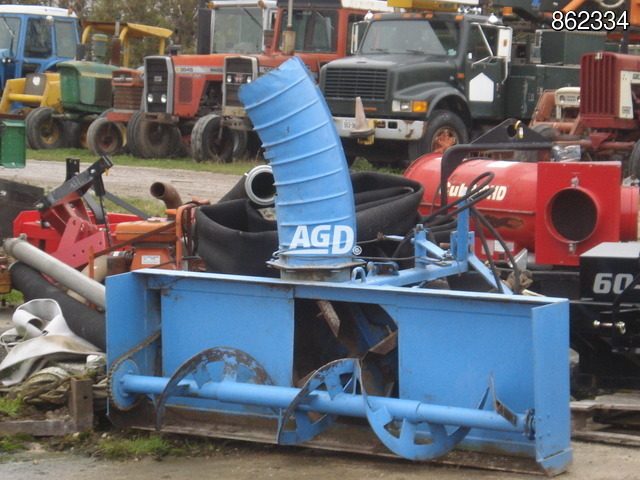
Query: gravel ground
{"points": [[126, 181]]}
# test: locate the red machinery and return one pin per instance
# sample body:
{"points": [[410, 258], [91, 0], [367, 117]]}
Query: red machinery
{"points": [[556, 211], [68, 225], [63, 226]]}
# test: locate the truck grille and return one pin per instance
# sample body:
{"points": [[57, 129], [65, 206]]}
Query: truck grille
{"points": [[158, 82], [355, 82]]}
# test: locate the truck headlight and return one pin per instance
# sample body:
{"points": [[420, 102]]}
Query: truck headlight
{"points": [[150, 98], [163, 98], [409, 106], [229, 78]]}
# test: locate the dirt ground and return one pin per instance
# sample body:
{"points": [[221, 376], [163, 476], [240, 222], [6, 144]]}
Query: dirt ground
{"points": [[592, 461]]}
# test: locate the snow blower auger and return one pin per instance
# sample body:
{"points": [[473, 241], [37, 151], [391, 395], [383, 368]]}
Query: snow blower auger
{"points": [[339, 353]]}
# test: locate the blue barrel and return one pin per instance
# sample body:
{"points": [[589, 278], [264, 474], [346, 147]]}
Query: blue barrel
{"points": [[314, 201]]}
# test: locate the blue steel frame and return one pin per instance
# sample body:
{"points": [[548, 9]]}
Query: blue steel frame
{"points": [[451, 347]]}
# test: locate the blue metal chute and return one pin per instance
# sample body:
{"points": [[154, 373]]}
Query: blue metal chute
{"points": [[314, 202]]}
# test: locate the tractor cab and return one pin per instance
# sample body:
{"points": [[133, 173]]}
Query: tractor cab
{"points": [[34, 39]]}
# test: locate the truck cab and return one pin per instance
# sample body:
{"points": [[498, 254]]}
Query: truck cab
{"points": [[34, 39], [406, 64], [424, 81]]}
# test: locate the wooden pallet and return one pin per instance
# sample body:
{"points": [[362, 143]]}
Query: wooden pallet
{"points": [[608, 418]]}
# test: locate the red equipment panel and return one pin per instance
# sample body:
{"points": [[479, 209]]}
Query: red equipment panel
{"points": [[579, 207]]}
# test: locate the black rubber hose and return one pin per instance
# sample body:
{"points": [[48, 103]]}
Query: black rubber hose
{"points": [[82, 320], [234, 239]]}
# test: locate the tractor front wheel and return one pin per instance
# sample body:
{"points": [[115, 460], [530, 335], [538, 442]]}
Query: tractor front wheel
{"points": [[155, 139], [45, 131], [211, 142], [105, 137]]}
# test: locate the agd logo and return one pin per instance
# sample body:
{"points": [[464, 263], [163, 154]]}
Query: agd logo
{"points": [[323, 240]]}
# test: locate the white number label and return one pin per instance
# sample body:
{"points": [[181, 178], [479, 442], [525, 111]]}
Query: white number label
{"points": [[609, 283]]}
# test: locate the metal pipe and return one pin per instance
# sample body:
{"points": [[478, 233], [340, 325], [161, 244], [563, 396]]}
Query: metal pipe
{"points": [[62, 273], [321, 401], [167, 193]]}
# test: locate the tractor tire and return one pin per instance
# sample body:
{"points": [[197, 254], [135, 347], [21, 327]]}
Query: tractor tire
{"points": [[131, 145], [444, 129], [240, 143], [44, 130], [155, 139], [210, 142], [76, 132], [105, 137]]}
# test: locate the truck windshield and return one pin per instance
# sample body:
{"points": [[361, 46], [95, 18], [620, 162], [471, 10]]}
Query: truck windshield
{"points": [[434, 37], [316, 30], [9, 28], [238, 30]]}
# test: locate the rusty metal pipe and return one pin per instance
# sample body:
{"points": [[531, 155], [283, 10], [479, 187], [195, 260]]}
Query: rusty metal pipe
{"points": [[167, 193]]}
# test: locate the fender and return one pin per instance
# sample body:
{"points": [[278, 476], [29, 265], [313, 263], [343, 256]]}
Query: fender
{"points": [[454, 101]]}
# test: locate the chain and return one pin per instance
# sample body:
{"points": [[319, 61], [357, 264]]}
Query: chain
{"points": [[118, 361]]}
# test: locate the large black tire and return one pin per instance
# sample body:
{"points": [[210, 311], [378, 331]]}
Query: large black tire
{"points": [[105, 137], [44, 130], [210, 142], [131, 144], [240, 143], [76, 133], [444, 129], [155, 139]]}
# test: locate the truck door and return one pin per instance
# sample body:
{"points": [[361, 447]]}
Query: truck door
{"points": [[486, 69]]}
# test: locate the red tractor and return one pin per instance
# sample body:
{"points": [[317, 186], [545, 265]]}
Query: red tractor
{"points": [[180, 89], [150, 117], [183, 94], [600, 121]]}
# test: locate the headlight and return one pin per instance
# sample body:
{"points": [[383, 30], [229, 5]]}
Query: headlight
{"points": [[150, 98], [409, 106], [248, 79], [229, 78], [163, 98]]}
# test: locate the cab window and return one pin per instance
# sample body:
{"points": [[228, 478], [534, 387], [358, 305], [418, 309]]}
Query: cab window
{"points": [[38, 39]]}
